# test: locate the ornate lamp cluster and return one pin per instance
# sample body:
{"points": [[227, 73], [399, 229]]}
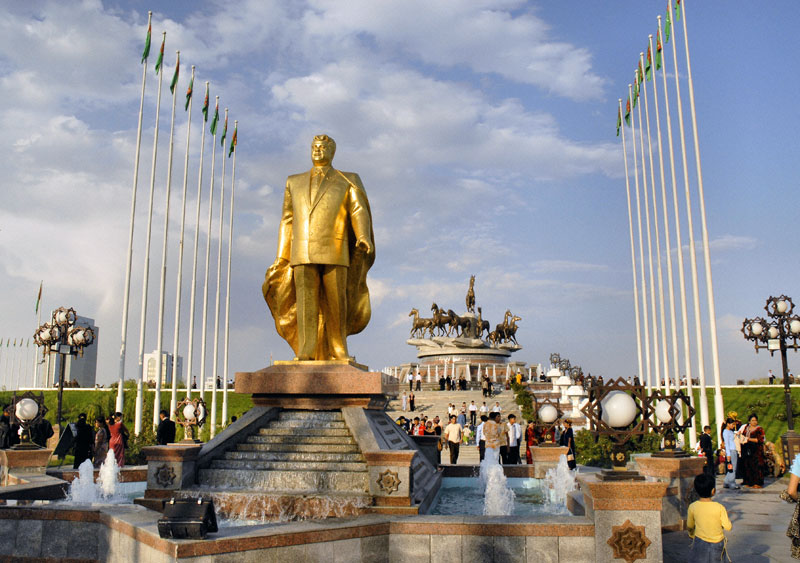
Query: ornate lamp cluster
{"points": [[62, 336], [27, 410], [191, 414]]}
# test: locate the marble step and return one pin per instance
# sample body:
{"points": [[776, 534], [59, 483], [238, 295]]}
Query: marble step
{"points": [[299, 448], [330, 416], [313, 431], [294, 456], [252, 465], [299, 439], [277, 480], [302, 424]]}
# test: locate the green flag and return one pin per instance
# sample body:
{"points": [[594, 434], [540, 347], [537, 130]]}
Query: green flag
{"points": [[189, 94], [214, 120], [659, 47], [648, 67], [628, 111], [224, 133], [641, 71], [619, 120], [161, 55], [667, 25], [635, 88], [175, 76], [205, 106], [38, 297], [146, 52], [234, 141], [677, 10]]}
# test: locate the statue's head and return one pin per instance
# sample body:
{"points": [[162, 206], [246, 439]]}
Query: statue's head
{"points": [[322, 150]]}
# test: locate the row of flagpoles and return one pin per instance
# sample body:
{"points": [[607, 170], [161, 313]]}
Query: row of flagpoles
{"points": [[660, 358], [143, 326], [17, 362]]}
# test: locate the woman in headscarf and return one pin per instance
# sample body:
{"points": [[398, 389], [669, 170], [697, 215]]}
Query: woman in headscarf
{"points": [[100, 441]]}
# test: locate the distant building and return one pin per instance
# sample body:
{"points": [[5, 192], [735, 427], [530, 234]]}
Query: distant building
{"points": [[166, 368], [82, 369]]}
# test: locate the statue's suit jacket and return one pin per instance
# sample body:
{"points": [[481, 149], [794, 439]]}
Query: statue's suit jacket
{"points": [[319, 231]]}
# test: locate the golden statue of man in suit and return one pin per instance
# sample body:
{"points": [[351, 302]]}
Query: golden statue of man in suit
{"points": [[317, 288]]}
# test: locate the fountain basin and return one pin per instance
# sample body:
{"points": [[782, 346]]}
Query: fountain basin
{"points": [[463, 495]]}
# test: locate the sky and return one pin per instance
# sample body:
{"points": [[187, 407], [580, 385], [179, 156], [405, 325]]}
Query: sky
{"points": [[484, 134]]}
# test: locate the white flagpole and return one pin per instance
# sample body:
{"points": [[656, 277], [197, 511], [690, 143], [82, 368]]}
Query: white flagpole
{"points": [[137, 427], [176, 334], [668, 246], [719, 408], [698, 329], [127, 291], [645, 317], [215, 353], [687, 355], [36, 349], [162, 289], [228, 287], [194, 260], [208, 263], [633, 246], [662, 349]]}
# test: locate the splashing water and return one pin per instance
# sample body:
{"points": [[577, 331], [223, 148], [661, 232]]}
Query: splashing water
{"points": [[498, 498], [560, 481], [83, 489]]}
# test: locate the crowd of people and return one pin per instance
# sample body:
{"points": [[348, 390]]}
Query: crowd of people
{"points": [[94, 442], [466, 426]]}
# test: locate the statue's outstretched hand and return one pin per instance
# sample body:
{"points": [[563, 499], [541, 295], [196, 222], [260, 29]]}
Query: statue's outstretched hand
{"points": [[365, 245]]}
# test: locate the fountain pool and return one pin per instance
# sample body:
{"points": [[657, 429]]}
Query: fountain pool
{"points": [[464, 495]]}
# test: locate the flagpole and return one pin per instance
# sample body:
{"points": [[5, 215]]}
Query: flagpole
{"points": [[176, 334], [194, 260], [633, 248], [228, 281], [670, 283], [137, 428], [36, 348], [698, 329], [719, 409], [162, 289], [649, 289], [208, 260], [215, 353], [662, 350], [644, 376], [687, 354], [127, 290]]}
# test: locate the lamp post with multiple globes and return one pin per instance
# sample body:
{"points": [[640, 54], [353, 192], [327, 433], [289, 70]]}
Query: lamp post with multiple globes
{"points": [[62, 336], [779, 333]]}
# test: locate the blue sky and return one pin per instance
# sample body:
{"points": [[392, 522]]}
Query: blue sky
{"points": [[483, 132]]}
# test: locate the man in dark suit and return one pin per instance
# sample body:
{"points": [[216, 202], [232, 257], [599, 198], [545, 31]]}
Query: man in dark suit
{"points": [[166, 430]]}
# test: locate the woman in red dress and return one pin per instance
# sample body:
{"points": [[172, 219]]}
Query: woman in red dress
{"points": [[119, 435], [753, 454], [530, 441]]}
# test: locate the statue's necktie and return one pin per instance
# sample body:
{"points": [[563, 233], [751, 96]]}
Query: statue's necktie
{"points": [[317, 174]]}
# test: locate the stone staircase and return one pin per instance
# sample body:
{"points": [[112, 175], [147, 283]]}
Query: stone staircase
{"points": [[311, 452]]}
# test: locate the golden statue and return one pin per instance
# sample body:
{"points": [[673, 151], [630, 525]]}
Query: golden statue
{"points": [[317, 287]]}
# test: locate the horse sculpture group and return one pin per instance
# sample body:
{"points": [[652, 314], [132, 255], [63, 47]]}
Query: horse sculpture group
{"points": [[448, 323]]}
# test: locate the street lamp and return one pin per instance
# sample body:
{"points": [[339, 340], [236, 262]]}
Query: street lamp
{"points": [[62, 336], [780, 333]]}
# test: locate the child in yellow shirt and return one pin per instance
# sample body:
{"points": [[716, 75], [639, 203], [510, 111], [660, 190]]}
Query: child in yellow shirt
{"points": [[706, 521]]}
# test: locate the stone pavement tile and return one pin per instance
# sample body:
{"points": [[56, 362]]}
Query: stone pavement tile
{"points": [[477, 549]]}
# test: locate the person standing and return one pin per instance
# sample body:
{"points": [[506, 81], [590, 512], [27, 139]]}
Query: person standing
{"points": [[771, 377], [530, 441], [411, 399], [452, 433], [706, 521], [442, 382], [496, 408], [494, 436], [514, 436], [753, 454], [731, 455], [479, 437], [165, 434], [473, 413], [568, 441], [84, 438], [410, 380], [708, 450], [484, 385], [462, 418], [118, 437], [419, 381], [404, 399], [101, 437]]}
